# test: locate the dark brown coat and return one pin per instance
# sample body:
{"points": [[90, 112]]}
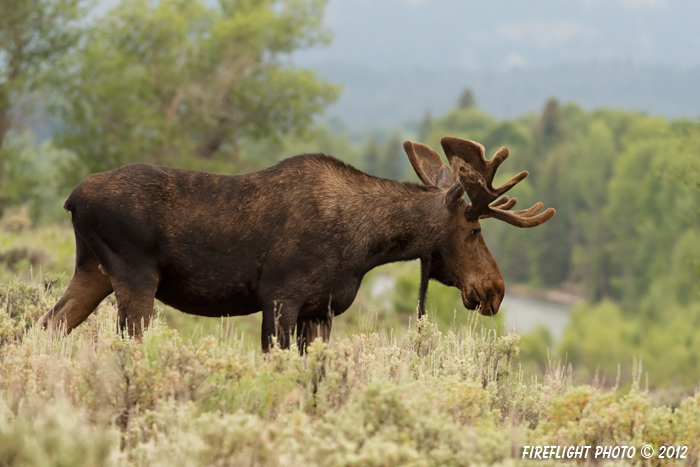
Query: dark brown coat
{"points": [[293, 240]]}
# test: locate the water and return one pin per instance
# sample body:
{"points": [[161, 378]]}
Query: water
{"points": [[523, 314]]}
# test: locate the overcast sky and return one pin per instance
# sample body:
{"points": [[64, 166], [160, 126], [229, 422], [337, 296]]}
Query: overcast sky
{"points": [[502, 34]]}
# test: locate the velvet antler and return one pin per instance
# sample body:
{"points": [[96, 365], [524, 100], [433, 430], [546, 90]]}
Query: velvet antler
{"points": [[476, 174]]}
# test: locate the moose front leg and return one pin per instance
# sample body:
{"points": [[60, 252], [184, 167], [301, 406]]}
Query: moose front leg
{"points": [[424, 279], [311, 327], [279, 320]]}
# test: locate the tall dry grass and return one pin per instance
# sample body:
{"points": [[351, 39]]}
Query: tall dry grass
{"points": [[371, 398]]}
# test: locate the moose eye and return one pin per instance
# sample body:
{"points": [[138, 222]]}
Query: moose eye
{"points": [[475, 232]]}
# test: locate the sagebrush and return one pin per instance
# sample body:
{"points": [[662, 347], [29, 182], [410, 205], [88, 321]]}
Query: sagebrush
{"points": [[429, 398]]}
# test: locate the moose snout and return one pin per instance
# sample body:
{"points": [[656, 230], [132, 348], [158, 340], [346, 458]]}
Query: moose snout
{"points": [[487, 296]]}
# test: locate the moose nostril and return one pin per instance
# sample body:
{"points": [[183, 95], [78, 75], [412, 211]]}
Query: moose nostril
{"points": [[474, 296], [496, 303], [496, 295], [492, 298]]}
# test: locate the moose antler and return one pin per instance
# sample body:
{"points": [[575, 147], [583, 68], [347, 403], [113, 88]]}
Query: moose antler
{"points": [[476, 174]]}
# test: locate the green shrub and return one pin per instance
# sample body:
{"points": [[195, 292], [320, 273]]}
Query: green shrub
{"points": [[431, 397]]}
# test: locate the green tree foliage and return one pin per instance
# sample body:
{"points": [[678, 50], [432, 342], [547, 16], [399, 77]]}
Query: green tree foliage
{"points": [[168, 81], [15, 183], [260, 153], [550, 130], [627, 230], [514, 135], [605, 339], [425, 125], [386, 158], [590, 256], [689, 174], [469, 123], [371, 157], [34, 175], [466, 99], [393, 157], [614, 179], [33, 34]]}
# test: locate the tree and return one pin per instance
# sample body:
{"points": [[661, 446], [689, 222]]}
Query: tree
{"points": [[424, 126], [469, 123], [391, 164], [466, 99], [688, 174], [592, 165], [33, 34], [642, 213], [512, 135], [371, 157], [550, 131], [166, 81]]}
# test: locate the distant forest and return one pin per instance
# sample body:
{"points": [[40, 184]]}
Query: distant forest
{"points": [[627, 231], [373, 97]]}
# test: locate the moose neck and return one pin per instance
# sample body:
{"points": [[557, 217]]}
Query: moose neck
{"points": [[400, 224]]}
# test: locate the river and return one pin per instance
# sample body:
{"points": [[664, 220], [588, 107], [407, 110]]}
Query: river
{"points": [[522, 314]]}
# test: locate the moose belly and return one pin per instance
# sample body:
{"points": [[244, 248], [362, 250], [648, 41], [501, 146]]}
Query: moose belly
{"points": [[336, 301], [207, 298]]}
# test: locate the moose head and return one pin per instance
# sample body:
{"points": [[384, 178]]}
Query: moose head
{"points": [[462, 258]]}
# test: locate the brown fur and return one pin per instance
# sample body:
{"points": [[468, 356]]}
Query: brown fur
{"points": [[293, 240]]}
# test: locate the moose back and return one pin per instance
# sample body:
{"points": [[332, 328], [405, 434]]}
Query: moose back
{"points": [[293, 241]]}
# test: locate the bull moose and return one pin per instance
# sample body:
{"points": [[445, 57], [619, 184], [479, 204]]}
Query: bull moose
{"points": [[293, 240]]}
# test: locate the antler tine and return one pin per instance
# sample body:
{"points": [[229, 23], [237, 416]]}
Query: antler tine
{"points": [[496, 161], [524, 218], [477, 174], [504, 203], [512, 182]]}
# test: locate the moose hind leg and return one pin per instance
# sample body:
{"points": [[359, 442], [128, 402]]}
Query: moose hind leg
{"points": [[311, 327], [88, 287], [135, 299]]}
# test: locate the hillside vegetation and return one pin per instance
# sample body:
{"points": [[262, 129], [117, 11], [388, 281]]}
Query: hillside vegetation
{"points": [[430, 398], [211, 85], [626, 236]]}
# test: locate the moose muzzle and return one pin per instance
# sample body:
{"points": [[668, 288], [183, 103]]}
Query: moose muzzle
{"points": [[485, 296]]}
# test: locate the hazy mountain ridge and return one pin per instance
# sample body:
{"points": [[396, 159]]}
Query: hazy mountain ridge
{"points": [[465, 34], [375, 97]]}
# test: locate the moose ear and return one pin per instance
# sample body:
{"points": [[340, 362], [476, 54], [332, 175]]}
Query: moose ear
{"points": [[454, 195], [428, 165]]}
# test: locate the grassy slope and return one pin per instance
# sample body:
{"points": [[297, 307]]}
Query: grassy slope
{"points": [[428, 398]]}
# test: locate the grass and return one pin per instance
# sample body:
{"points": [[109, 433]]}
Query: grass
{"points": [[370, 397], [27, 251]]}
